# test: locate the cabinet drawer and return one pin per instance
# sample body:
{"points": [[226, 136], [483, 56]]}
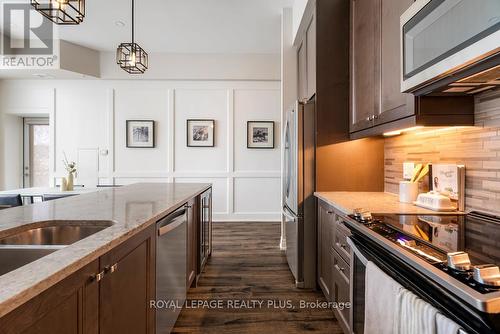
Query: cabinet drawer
{"points": [[340, 293], [340, 239]]}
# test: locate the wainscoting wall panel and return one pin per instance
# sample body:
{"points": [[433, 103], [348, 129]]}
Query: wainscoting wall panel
{"points": [[478, 148], [92, 113]]}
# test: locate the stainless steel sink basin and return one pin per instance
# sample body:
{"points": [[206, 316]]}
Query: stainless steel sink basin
{"points": [[55, 234], [12, 258], [32, 244]]}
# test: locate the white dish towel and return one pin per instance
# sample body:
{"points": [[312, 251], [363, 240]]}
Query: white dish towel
{"points": [[391, 309], [381, 302]]}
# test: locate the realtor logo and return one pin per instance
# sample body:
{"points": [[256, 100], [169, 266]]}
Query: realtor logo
{"points": [[27, 38]]}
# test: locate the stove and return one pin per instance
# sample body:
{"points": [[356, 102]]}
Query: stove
{"points": [[465, 247], [462, 252]]}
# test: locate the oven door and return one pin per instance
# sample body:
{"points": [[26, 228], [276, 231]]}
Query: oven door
{"points": [[364, 250], [442, 36]]}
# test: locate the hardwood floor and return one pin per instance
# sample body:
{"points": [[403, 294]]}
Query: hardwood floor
{"points": [[247, 265]]}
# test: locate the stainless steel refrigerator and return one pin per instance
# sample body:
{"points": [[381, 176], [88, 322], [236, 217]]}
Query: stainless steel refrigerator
{"points": [[299, 208]]}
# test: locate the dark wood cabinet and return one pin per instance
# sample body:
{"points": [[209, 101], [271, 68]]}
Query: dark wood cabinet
{"points": [[394, 105], [302, 71], [192, 241], [376, 102], [112, 294], [333, 266], [326, 219], [128, 285], [365, 63], [71, 307]]}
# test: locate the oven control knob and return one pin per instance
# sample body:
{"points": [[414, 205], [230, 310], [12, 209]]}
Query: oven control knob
{"points": [[459, 261], [362, 215], [488, 274]]}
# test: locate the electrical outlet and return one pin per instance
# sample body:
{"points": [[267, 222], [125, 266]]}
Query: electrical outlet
{"points": [[408, 168]]}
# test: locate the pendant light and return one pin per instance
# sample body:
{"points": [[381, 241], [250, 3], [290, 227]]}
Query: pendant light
{"points": [[130, 56], [62, 12]]}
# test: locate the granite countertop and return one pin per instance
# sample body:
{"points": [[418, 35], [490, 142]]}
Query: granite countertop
{"points": [[375, 202], [131, 209]]}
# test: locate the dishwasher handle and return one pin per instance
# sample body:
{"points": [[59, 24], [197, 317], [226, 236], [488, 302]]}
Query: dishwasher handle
{"points": [[172, 222]]}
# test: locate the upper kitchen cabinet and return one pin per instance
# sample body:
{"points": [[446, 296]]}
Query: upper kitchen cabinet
{"points": [[377, 104], [365, 63], [393, 104], [322, 45]]}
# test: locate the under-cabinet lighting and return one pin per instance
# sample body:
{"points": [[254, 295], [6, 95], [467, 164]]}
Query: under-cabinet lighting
{"points": [[398, 132]]}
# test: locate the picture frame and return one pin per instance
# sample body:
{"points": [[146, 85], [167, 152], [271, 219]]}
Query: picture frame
{"points": [[140, 134], [260, 135], [200, 133]]}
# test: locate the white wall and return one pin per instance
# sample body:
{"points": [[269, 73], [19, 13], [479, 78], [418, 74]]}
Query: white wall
{"points": [[88, 116], [299, 7]]}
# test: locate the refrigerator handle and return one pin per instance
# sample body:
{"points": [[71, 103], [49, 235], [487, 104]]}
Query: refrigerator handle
{"points": [[288, 214]]}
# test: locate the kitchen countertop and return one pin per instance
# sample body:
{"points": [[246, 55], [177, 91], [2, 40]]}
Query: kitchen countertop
{"points": [[374, 202], [131, 209]]}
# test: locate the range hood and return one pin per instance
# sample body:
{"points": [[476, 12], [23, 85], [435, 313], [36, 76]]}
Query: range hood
{"points": [[450, 47]]}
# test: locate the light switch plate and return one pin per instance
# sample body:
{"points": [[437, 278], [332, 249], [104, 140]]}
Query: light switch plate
{"points": [[408, 168]]}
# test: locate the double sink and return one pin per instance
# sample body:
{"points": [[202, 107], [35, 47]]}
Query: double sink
{"points": [[32, 244]]}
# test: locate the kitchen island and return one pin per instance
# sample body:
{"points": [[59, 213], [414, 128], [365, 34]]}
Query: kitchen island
{"points": [[76, 280]]}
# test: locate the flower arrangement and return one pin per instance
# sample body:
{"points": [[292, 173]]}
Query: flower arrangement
{"points": [[67, 182], [70, 166]]}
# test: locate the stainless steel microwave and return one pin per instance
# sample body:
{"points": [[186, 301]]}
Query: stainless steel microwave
{"points": [[440, 37]]}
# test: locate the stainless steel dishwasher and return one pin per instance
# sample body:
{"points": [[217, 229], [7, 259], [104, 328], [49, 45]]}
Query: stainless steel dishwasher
{"points": [[171, 259]]}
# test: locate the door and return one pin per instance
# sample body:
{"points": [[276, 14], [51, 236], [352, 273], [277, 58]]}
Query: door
{"points": [[290, 160], [394, 104], [326, 218], [302, 71], [365, 63], [128, 286], [36, 152], [311, 58]]}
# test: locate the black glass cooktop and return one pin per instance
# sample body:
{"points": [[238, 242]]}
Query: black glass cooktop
{"points": [[476, 234], [432, 237]]}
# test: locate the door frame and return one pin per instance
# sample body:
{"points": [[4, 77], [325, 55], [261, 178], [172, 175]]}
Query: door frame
{"points": [[27, 123]]}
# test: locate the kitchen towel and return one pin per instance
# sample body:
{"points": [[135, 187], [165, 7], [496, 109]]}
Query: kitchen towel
{"points": [[382, 307], [447, 326]]}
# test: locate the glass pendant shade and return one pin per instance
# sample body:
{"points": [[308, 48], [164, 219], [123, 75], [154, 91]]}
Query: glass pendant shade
{"points": [[63, 12], [132, 58]]}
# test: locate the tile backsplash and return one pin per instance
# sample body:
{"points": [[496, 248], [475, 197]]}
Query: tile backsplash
{"points": [[478, 148]]}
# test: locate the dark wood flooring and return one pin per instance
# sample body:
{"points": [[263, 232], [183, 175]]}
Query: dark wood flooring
{"points": [[246, 265]]}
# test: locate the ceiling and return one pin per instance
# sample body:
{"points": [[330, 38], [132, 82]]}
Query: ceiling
{"points": [[182, 26]]}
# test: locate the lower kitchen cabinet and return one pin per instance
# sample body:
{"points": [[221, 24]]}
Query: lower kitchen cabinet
{"points": [[333, 261], [71, 307], [326, 220], [109, 295], [128, 285], [341, 289]]}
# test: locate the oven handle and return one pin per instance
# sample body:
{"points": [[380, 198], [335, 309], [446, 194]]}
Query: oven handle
{"points": [[356, 252]]}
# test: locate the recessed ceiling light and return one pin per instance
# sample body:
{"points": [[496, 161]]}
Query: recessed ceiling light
{"points": [[120, 24]]}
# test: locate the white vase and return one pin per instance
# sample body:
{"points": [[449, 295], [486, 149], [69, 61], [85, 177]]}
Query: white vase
{"points": [[64, 184]]}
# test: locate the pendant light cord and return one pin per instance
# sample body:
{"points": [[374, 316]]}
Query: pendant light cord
{"points": [[133, 21]]}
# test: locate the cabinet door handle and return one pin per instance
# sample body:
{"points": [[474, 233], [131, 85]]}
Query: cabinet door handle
{"points": [[339, 268], [113, 268], [330, 212], [97, 277]]}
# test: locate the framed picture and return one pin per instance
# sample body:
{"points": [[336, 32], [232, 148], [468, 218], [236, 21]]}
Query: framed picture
{"points": [[200, 132], [260, 134], [140, 134]]}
